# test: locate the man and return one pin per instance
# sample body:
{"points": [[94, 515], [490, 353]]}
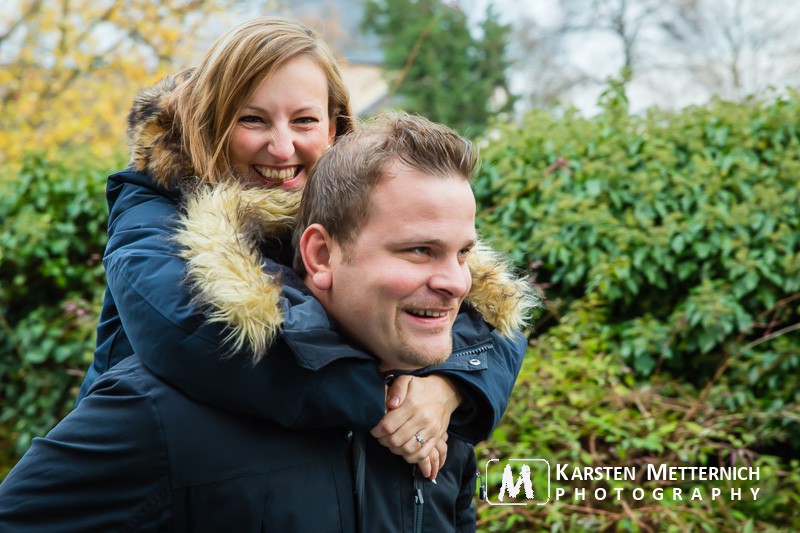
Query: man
{"points": [[385, 228], [394, 276]]}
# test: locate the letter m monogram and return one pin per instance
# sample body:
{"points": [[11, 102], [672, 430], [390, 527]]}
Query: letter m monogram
{"points": [[506, 487], [523, 481]]}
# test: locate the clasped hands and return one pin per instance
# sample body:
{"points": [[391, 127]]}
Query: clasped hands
{"points": [[415, 424]]}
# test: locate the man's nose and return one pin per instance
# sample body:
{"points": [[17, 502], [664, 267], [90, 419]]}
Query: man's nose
{"points": [[281, 144], [451, 276]]}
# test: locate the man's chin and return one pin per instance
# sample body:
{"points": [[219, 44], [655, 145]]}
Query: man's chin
{"points": [[422, 356]]}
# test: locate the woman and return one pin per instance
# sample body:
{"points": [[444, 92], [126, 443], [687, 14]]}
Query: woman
{"points": [[250, 121]]}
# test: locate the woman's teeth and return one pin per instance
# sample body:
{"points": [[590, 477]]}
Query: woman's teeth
{"points": [[278, 176]]}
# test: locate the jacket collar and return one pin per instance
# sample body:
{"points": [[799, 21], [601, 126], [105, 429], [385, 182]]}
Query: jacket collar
{"points": [[307, 328]]}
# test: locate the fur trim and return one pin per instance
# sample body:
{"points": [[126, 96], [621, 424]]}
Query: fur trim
{"points": [[504, 300], [218, 237], [154, 134]]}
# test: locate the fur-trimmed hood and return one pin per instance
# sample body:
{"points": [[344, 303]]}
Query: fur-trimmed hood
{"points": [[221, 231], [154, 134], [223, 227]]}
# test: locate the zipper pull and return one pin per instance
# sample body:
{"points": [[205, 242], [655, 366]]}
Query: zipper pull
{"points": [[418, 499], [482, 486]]}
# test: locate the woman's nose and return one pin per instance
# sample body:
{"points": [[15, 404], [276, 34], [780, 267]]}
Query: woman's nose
{"points": [[281, 145]]}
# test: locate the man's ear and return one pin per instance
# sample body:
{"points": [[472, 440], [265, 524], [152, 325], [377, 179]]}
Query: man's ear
{"points": [[315, 249]]}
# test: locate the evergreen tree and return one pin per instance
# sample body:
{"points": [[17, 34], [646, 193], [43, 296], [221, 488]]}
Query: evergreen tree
{"points": [[437, 67]]}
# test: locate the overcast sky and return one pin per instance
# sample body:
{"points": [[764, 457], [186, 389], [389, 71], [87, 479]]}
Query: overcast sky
{"points": [[597, 54]]}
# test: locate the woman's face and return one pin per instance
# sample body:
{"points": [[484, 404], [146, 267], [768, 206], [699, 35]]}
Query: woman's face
{"points": [[284, 127]]}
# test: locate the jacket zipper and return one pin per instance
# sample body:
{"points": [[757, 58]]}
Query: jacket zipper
{"points": [[465, 352], [357, 466], [419, 501], [475, 350]]}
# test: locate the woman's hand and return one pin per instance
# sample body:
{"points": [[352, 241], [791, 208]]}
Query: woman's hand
{"points": [[415, 426], [429, 467]]}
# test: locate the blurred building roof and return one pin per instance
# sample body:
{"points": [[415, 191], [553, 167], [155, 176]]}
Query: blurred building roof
{"points": [[339, 22]]}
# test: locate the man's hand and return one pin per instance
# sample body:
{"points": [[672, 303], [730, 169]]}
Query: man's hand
{"points": [[415, 427]]}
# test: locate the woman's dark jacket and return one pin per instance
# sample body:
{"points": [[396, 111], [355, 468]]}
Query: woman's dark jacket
{"points": [[183, 332]]}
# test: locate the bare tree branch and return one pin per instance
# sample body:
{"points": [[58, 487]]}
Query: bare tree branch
{"points": [[32, 10]]}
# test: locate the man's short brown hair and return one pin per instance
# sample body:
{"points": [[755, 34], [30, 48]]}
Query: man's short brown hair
{"points": [[337, 194]]}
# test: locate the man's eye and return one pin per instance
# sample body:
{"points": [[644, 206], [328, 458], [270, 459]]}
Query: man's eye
{"points": [[464, 254], [420, 250]]}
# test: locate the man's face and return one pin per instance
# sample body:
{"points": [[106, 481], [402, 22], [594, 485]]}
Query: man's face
{"points": [[398, 286]]}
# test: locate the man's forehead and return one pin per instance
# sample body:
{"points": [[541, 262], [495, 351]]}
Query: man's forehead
{"points": [[423, 209], [399, 179]]}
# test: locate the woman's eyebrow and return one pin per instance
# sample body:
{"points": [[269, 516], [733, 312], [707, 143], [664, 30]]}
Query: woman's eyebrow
{"points": [[304, 109]]}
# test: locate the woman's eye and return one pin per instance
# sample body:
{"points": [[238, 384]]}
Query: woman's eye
{"points": [[307, 120], [250, 119]]}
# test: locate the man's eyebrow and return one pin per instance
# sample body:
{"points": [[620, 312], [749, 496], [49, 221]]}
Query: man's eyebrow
{"points": [[432, 242]]}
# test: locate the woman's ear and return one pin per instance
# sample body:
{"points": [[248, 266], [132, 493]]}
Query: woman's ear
{"points": [[332, 132], [315, 249]]}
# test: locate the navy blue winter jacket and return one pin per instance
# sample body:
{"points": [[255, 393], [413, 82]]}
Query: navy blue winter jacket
{"points": [[137, 455]]}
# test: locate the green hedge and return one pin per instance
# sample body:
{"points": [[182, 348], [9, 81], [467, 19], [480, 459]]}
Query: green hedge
{"points": [[576, 403], [668, 247], [51, 282], [687, 226]]}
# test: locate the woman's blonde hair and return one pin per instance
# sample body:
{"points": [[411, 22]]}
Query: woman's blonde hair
{"points": [[211, 98]]}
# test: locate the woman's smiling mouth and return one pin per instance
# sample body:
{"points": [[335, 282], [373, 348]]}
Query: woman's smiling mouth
{"points": [[278, 177]]}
